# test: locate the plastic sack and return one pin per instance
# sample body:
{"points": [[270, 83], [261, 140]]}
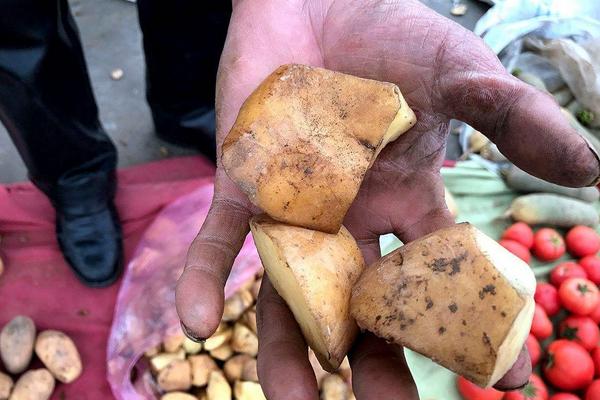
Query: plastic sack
{"points": [[145, 309]]}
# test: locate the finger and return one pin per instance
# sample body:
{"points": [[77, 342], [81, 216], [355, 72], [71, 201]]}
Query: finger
{"points": [[526, 124], [513, 379], [379, 370], [200, 289], [283, 367]]}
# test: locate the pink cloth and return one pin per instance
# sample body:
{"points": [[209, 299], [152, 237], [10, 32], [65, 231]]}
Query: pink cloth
{"points": [[37, 281]]}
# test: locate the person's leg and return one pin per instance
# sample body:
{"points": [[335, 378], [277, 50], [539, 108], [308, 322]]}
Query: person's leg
{"points": [[183, 40], [47, 106]]}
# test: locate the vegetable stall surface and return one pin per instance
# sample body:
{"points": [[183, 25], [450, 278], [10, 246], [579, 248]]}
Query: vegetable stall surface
{"points": [[304, 139], [455, 296], [314, 272]]}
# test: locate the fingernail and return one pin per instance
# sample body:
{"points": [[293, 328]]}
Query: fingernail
{"points": [[597, 155], [191, 335]]}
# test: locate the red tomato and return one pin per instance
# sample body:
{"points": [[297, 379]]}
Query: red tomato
{"points": [[541, 327], [548, 245], [591, 266], [569, 366], [470, 391], [546, 296], [519, 232], [582, 330], [596, 359], [534, 349], [593, 391], [517, 249], [582, 241], [579, 295], [566, 270], [595, 315], [534, 390], [564, 396]]}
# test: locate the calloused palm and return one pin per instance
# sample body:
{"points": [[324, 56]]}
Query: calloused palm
{"points": [[444, 72]]}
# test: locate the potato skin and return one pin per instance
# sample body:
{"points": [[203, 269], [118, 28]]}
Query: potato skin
{"points": [[16, 343], [443, 298], [304, 139], [59, 354], [6, 385], [323, 268], [35, 384]]}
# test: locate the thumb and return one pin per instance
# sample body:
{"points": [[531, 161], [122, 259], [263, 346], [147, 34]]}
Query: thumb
{"points": [[200, 290]]}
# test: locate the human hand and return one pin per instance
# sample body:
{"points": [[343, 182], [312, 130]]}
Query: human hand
{"points": [[444, 72]]}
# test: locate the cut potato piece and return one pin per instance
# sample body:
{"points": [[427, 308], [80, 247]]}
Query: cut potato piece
{"points": [[304, 139], [455, 296], [314, 273]]}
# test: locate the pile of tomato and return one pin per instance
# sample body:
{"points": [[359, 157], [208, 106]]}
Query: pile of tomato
{"points": [[564, 341]]}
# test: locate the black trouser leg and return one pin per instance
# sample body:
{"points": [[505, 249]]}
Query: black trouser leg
{"points": [[183, 40], [46, 100], [47, 105]]}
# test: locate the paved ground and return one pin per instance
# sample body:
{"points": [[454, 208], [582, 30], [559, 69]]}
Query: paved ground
{"points": [[111, 39]]}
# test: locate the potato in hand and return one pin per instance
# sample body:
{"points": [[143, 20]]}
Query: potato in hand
{"points": [[314, 273], [304, 139], [456, 296]]}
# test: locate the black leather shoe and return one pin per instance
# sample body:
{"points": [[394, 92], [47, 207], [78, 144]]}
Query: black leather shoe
{"points": [[88, 230]]}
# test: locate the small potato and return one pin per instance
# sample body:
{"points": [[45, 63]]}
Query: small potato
{"points": [[175, 376], [256, 288], [6, 385], [248, 391], [191, 347], [334, 388], [236, 305], [161, 360], [249, 319], [218, 388], [244, 340], [35, 384], [59, 354], [217, 339], [222, 353], [177, 396], [249, 372], [16, 343], [1, 266], [173, 343], [202, 365], [234, 366]]}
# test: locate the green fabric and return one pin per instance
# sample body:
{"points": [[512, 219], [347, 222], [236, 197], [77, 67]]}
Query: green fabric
{"points": [[482, 199]]}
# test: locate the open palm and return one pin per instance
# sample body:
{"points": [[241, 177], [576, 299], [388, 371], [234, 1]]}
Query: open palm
{"points": [[444, 72]]}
